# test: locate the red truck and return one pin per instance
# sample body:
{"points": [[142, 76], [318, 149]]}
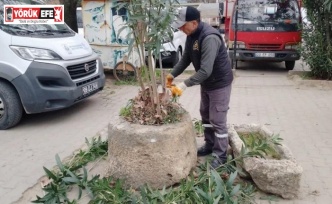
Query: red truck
{"points": [[263, 30]]}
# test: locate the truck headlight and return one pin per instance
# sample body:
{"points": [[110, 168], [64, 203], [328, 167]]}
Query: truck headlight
{"points": [[30, 53], [291, 46], [239, 44]]}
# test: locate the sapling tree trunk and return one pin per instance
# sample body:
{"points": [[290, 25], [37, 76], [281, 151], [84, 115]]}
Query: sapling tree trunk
{"points": [[150, 24], [139, 38]]}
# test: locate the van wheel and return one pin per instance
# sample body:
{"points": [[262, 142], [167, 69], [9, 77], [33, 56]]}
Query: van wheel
{"points": [[10, 106], [177, 57], [290, 65]]}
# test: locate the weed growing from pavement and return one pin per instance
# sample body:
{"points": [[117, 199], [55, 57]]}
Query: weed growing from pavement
{"points": [[126, 111], [199, 129], [306, 76], [126, 82], [66, 175], [203, 185]]}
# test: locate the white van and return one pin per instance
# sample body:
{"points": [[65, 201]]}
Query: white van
{"points": [[172, 50], [44, 68]]}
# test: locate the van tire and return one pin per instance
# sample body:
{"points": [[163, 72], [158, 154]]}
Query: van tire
{"points": [[289, 65], [9, 103]]}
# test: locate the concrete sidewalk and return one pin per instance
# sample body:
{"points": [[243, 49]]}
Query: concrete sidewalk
{"points": [[302, 116]]}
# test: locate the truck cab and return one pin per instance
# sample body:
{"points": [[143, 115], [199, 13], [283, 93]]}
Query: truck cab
{"points": [[264, 31]]}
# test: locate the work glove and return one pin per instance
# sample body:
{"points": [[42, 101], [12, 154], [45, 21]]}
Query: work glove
{"points": [[178, 89], [169, 80]]}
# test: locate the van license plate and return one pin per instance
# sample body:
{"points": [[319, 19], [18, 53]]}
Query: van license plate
{"points": [[89, 88], [264, 54]]}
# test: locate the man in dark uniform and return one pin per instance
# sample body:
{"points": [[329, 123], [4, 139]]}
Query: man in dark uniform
{"points": [[206, 50]]}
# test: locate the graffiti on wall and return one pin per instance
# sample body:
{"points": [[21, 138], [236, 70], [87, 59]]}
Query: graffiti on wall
{"points": [[94, 20], [119, 18], [103, 23]]}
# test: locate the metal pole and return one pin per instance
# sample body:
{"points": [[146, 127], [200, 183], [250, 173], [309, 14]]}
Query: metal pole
{"points": [[235, 34]]}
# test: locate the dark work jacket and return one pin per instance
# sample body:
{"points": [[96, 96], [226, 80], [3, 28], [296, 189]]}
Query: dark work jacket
{"points": [[222, 74]]}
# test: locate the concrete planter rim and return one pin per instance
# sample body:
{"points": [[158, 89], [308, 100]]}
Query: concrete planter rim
{"points": [[280, 177]]}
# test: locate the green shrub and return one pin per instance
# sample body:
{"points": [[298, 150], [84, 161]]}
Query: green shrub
{"points": [[316, 49]]}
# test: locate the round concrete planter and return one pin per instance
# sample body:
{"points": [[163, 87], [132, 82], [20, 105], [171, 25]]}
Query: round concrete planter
{"points": [[155, 155]]}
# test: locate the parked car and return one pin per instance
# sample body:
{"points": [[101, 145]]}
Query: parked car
{"points": [[172, 51]]}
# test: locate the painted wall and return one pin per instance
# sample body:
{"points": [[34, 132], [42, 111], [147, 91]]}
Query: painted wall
{"points": [[102, 23]]}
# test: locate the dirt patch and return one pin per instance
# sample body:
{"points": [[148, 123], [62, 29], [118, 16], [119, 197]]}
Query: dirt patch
{"points": [[302, 80]]}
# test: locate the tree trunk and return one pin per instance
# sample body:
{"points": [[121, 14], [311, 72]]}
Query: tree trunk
{"points": [[70, 13]]}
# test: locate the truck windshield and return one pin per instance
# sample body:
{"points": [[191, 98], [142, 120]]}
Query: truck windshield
{"points": [[268, 12]]}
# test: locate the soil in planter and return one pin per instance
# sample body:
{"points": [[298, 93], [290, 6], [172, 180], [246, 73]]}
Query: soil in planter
{"points": [[256, 142]]}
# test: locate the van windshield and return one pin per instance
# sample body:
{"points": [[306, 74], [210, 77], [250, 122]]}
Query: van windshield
{"points": [[37, 30], [268, 12], [33, 30]]}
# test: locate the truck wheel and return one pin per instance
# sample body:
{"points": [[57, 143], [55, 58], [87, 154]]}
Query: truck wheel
{"points": [[10, 106], [177, 57], [289, 65]]}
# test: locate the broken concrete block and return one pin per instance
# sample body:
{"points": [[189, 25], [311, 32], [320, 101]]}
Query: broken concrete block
{"points": [[277, 176]]}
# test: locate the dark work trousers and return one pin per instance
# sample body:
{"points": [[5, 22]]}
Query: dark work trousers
{"points": [[214, 107]]}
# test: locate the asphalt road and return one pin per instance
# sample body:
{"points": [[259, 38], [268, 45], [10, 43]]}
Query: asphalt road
{"points": [[26, 148], [32, 144]]}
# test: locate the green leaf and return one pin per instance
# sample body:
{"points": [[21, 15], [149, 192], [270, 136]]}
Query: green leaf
{"points": [[202, 193], [59, 163], [231, 179], [87, 142], [50, 174], [122, 29], [70, 180], [216, 201], [235, 190], [130, 46], [79, 193], [85, 174], [218, 181], [73, 176]]}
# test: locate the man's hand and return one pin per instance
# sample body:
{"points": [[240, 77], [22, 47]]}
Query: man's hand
{"points": [[178, 89], [169, 80]]}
